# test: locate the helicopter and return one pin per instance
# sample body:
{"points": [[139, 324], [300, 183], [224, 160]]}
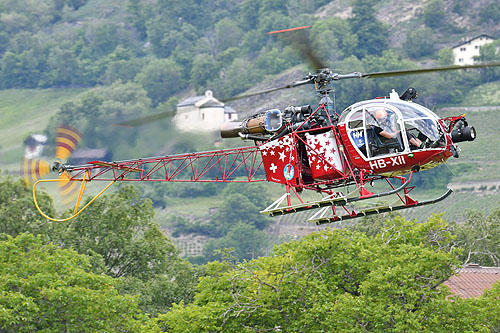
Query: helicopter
{"points": [[379, 143]]}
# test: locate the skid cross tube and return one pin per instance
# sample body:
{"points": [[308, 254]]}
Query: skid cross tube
{"points": [[318, 219], [274, 210]]}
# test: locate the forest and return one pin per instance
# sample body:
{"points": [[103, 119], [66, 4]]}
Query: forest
{"points": [[114, 269]]}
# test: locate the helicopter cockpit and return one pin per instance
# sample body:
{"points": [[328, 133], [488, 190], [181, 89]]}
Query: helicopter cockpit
{"points": [[390, 126]]}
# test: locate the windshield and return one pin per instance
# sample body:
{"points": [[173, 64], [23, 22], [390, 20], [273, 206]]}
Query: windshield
{"points": [[427, 127], [411, 110], [419, 121]]}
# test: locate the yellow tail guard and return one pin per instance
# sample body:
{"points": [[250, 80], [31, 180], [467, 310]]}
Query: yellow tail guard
{"points": [[68, 188], [65, 180]]}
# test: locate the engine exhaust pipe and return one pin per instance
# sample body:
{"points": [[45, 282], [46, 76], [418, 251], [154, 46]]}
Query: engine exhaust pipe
{"points": [[265, 123]]}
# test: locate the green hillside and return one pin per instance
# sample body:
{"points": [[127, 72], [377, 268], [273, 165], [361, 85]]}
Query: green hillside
{"points": [[483, 95]]}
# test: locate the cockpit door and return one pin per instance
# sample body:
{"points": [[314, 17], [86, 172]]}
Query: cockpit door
{"points": [[377, 130]]}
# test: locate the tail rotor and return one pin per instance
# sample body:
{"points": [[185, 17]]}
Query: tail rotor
{"points": [[32, 170]]}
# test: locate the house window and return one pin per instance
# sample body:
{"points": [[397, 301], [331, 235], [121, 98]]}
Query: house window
{"points": [[461, 60], [476, 47], [229, 116], [462, 49], [202, 116]]}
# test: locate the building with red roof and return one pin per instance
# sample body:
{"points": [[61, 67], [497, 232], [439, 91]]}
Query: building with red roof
{"points": [[473, 280]]}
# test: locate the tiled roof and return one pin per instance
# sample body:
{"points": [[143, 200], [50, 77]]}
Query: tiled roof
{"points": [[190, 101], [228, 109], [473, 280], [470, 40]]}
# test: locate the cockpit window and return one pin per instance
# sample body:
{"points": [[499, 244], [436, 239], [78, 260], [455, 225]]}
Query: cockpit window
{"points": [[378, 128], [356, 119], [378, 116], [411, 111], [424, 129]]}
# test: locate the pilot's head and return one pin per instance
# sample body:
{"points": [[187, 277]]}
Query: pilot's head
{"points": [[381, 114]]}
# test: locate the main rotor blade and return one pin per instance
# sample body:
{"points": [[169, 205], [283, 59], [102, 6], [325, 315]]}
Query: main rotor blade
{"points": [[147, 119], [299, 39], [291, 85], [427, 70]]}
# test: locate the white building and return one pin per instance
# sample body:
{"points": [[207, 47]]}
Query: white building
{"points": [[33, 146], [203, 113], [465, 52]]}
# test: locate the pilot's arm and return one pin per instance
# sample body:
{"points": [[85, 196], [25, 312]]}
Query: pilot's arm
{"points": [[384, 133]]}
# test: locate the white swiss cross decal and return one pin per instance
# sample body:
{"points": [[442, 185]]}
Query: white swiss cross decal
{"points": [[273, 168]]}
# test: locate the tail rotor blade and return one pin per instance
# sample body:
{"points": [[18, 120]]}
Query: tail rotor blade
{"points": [[69, 189], [32, 170], [67, 140]]}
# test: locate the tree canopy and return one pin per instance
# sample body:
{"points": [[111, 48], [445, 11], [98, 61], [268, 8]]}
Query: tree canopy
{"points": [[45, 288], [333, 280]]}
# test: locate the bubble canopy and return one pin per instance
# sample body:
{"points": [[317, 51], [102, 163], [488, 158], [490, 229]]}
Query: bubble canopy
{"points": [[408, 110], [392, 116]]}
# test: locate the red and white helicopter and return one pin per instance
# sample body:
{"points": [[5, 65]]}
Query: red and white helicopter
{"points": [[379, 142]]}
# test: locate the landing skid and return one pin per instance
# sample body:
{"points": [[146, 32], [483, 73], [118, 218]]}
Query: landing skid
{"points": [[319, 218], [335, 199]]}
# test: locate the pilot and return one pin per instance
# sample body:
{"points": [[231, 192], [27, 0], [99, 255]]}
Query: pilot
{"points": [[385, 132]]}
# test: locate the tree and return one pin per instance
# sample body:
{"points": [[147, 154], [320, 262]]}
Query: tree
{"points": [[236, 78], [434, 13], [277, 60], [104, 39], [242, 207], [161, 78], [419, 43], [20, 70], [244, 240], [445, 56], [95, 112], [120, 228], [490, 13], [490, 52], [372, 34], [227, 34], [4, 42], [63, 69], [158, 293], [479, 235], [45, 288], [204, 69], [333, 280], [333, 39], [18, 213]]}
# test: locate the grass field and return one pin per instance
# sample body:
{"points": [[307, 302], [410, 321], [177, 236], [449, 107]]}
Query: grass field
{"points": [[480, 158], [24, 112], [485, 94]]}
